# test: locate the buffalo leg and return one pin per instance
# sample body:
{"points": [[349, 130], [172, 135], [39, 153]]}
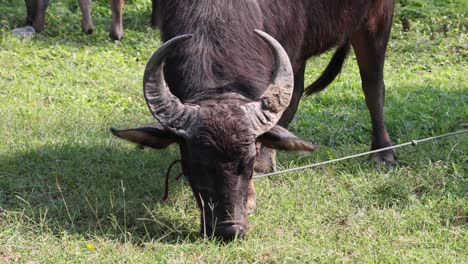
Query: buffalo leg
{"points": [[251, 198], [370, 44], [290, 112], [154, 15], [116, 32], [36, 13], [31, 10], [266, 158], [86, 20]]}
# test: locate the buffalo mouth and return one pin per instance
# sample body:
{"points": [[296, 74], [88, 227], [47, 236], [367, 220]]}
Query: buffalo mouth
{"points": [[226, 231], [214, 224]]}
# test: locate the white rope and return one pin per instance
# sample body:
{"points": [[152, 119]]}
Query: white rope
{"points": [[412, 142]]}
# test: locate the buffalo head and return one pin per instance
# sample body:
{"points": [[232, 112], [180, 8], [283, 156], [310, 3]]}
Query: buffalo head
{"points": [[217, 133]]}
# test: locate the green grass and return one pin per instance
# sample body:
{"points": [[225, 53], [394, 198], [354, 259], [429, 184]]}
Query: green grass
{"points": [[65, 182]]}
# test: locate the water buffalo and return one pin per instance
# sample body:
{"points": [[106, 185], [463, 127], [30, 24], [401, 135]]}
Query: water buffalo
{"points": [[210, 86], [36, 15]]}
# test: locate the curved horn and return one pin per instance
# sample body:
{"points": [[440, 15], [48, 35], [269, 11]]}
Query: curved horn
{"points": [[165, 107], [266, 112]]}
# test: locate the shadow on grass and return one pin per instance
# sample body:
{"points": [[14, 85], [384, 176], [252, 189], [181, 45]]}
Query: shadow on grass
{"points": [[98, 191]]}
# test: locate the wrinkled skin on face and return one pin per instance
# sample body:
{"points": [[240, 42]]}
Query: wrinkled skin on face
{"points": [[218, 160]]}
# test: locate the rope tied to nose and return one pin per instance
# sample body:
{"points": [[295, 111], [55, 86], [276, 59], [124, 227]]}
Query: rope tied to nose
{"points": [[413, 142], [166, 185]]}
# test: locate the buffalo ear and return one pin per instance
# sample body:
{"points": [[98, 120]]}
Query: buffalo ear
{"points": [[153, 136], [280, 138]]}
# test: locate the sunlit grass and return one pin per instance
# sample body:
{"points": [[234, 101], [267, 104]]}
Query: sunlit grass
{"points": [[70, 192]]}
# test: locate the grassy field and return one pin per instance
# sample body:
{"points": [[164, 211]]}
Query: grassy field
{"points": [[71, 192]]}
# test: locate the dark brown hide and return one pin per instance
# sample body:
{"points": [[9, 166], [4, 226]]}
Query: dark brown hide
{"points": [[224, 48]]}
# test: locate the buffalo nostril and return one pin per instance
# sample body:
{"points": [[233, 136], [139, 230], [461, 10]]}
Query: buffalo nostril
{"points": [[230, 232]]}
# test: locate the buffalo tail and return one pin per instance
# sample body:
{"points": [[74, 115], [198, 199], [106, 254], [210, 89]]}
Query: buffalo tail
{"points": [[332, 70]]}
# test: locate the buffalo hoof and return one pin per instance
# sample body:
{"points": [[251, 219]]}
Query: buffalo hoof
{"points": [[38, 26], [386, 157], [87, 26], [116, 35], [265, 161], [88, 30]]}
